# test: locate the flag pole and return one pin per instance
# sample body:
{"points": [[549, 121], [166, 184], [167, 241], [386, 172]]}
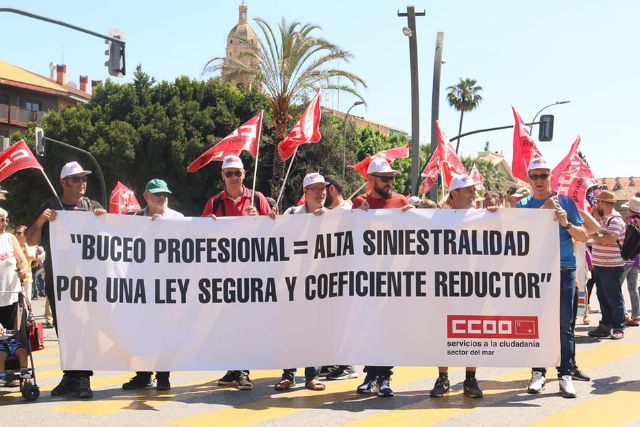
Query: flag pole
{"points": [[255, 168], [286, 176], [51, 186]]}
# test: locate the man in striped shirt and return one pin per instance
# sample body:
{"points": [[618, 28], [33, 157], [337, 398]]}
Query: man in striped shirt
{"points": [[608, 267]]}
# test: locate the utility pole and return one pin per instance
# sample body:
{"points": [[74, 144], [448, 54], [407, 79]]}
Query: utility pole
{"points": [[411, 33], [435, 103]]}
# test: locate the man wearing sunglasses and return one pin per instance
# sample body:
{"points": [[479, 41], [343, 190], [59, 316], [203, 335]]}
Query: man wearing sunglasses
{"points": [[380, 196], [570, 227], [73, 180], [235, 200]]}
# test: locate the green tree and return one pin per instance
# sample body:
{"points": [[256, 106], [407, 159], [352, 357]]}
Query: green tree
{"points": [[464, 96], [292, 63]]}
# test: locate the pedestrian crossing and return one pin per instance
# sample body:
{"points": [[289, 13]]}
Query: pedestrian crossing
{"points": [[196, 400]]}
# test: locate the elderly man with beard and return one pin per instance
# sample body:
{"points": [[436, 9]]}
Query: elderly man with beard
{"points": [[570, 227], [380, 196], [462, 195], [156, 194]]}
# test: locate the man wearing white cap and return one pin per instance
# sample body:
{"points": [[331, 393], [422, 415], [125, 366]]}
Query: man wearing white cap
{"points": [[380, 196], [235, 200], [462, 195], [570, 227], [73, 180], [315, 193]]}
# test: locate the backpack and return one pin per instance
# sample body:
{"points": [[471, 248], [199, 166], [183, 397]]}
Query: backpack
{"points": [[631, 245], [217, 203]]}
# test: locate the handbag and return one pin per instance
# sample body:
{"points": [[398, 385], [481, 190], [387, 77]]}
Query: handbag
{"points": [[36, 335]]}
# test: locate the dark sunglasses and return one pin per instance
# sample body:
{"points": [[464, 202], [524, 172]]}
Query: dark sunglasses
{"points": [[77, 179], [19, 233], [229, 174], [542, 176], [385, 178]]}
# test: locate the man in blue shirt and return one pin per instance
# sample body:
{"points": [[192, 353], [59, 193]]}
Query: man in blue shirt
{"points": [[570, 227]]}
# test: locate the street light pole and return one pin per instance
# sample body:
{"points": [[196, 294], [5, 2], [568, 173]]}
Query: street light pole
{"points": [[411, 33], [541, 110], [435, 103], [344, 139]]}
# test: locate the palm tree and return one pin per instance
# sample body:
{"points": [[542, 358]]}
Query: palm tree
{"points": [[465, 96], [291, 65]]}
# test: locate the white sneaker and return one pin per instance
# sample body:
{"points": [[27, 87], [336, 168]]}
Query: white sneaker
{"points": [[536, 383], [566, 387]]}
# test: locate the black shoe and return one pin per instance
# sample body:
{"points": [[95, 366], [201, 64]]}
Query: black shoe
{"points": [[441, 387], [243, 382], [384, 386], [471, 388], [343, 373], [141, 380], [68, 385], [228, 379], [326, 370], [162, 381], [578, 375], [369, 386], [84, 388]]}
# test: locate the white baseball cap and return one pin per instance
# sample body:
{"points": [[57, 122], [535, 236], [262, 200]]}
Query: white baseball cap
{"points": [[462, 181], [380, 165], [232, 161], [73, 169], [313, 178], [538, 163]]}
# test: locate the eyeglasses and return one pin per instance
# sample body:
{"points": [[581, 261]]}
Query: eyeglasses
{"points": [[19, 233], [384, 178], [4, 219], [163, 195], [229, 174], [535, 177], [77, 179]]}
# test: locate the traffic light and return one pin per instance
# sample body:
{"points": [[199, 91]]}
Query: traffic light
{"points": [[115, 51], [545, 133]]}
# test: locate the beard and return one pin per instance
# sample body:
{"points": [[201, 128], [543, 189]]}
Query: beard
{"points": [[386, 194], [328, 201], [601, 212]]}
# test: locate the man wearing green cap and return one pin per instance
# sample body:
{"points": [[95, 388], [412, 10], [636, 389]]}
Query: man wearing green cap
{"points": [[156, 195]]}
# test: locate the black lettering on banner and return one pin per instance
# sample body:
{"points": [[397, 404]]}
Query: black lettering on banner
{"points": [[125, 291], [166, 294], [330, 245], [494, 284], [112, 248], [291, 285], [237, 290], [80, 289]]}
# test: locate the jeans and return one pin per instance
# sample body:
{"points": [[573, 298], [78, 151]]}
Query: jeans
{"points": [[631, 274], [310, 373], [609, 291], [567, 343], [38, 283]]}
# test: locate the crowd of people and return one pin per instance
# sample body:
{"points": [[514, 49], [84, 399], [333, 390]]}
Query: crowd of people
{"points": [[23, 264]]}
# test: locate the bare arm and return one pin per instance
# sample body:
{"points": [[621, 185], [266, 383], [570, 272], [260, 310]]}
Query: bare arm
{"points": [[34, 233], [590, 223], [21, 260]]}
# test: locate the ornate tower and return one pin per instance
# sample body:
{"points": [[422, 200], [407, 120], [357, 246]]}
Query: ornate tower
{"points": [[234, 47]]}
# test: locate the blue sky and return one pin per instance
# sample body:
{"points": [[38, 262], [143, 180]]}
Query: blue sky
{"points": [[523, 53]]}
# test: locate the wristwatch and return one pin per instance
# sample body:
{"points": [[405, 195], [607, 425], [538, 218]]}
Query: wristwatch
{"points": [[568, 226]]}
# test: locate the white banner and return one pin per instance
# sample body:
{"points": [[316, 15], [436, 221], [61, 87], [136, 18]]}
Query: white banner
{"points": [[421, 288]]}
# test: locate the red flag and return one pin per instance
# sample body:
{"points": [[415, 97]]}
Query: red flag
{"points": [[524, 149], [430, 173], [246, 137], [401, 152], [15, 158], [476, 176], [444, 157], [306, 131], [122, 200], [573, 177]]}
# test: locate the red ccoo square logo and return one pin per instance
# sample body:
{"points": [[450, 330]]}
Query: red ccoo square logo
{"points": [[507, 327]]}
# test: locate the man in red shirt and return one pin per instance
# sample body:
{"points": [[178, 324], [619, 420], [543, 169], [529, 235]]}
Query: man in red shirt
{"points": [[380, 196], [235, 200]]}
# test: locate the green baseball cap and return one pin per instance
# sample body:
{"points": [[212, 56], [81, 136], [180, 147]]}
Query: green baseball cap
{"points": [[157, 186]]}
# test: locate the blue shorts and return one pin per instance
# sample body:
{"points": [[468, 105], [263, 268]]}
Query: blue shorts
{"points": [[10, 346]]}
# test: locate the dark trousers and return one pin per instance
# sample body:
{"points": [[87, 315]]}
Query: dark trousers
{"points": [[159, 375], [378, 371], [609, 291], [310, 373]]}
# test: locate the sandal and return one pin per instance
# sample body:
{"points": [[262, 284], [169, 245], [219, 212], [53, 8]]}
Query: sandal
{"points": [[314, 385], [285, 384]]}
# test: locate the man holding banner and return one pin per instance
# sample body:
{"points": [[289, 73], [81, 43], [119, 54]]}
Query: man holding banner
{"points": [[380, 196], [570, 227], [236, 200], [73, 180], [156, 194]]}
